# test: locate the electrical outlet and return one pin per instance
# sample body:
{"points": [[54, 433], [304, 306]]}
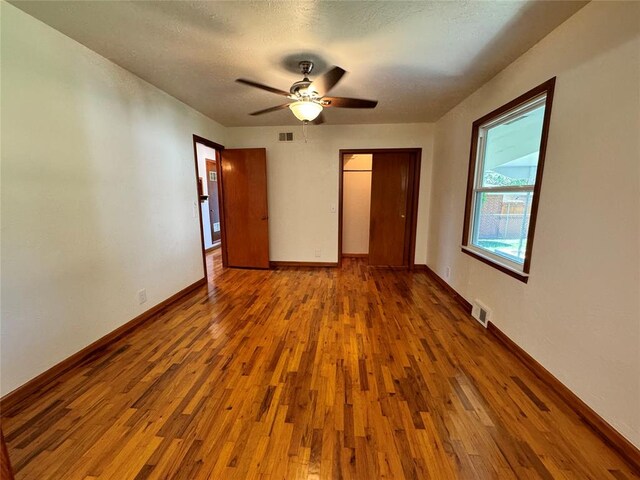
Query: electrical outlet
{"points": [[318, 252], [142, 296], [447, 273]]}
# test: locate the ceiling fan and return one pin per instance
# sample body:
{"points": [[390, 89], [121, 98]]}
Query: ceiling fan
{"points": [[310, 97]]}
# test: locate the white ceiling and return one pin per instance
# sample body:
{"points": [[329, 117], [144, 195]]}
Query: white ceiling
{"points": [[419, 59]]}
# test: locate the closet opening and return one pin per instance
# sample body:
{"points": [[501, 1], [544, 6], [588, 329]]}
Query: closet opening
{"points": [[378, 212]]}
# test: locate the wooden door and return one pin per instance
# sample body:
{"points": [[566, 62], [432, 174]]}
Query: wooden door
{"points": [[214, 210], [244, 201], [389, 230]]}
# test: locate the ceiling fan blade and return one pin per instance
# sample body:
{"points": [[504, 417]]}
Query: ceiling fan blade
{"points": [[326, 82], [271, 109], [344, 102], [319, 119], [263, 87]]}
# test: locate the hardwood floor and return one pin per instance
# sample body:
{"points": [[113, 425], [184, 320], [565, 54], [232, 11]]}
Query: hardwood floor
{"points": [[305, 373]]}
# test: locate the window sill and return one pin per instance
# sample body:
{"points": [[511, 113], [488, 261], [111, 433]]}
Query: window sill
{"points": [[523, 277]]}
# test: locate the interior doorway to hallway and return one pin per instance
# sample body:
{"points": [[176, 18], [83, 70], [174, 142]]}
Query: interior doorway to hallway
{"points": [[232, 197], [207, 161]]}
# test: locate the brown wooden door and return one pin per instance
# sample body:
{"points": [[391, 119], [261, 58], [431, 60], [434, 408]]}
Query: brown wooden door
{"points": [[214, 210], [244, 199], [389, 231]]}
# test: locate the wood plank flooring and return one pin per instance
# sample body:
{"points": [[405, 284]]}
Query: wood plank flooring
{"points": [[305, 373]]}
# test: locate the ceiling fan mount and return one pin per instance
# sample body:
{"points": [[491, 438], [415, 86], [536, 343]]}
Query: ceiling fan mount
{"points": [[309, 98], [306, 66]]}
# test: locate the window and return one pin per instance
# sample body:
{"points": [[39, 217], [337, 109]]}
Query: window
{"points": [[505, 174]]}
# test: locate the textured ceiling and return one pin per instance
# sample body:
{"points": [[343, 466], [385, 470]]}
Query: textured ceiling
{"points": [[419, 59]]}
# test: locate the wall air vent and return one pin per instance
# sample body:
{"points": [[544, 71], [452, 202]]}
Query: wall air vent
{"points": [[285, 137], [481, 313]]}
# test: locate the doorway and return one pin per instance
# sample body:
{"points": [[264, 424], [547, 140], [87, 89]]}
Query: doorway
{"points": [[378, 210], [233, 211], [207, 159]]}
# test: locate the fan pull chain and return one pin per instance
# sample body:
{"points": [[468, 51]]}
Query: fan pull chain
{"points": [[304, 130]]}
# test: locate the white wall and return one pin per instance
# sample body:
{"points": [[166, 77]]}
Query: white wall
{"points": [[579, 315], [303, 182], [205, 153], [356, 203], [98, 191]]}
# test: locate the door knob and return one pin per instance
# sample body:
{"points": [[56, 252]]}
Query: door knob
{"points": [[401, 216]]}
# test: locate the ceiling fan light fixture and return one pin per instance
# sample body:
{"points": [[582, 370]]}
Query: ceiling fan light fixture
{"points": [[310, 97], [306, 110]]}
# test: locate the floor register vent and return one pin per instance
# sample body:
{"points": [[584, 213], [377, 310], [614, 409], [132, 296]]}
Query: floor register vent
{"points": [[481, 313]]}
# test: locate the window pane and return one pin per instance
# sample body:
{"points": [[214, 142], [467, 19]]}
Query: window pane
{"points": [[501, 223], [511, 150]]}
